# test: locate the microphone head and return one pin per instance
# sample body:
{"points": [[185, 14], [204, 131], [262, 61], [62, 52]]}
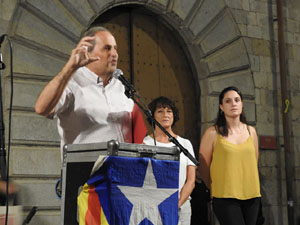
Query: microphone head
{"points": [[2, 38], [117, 73]]}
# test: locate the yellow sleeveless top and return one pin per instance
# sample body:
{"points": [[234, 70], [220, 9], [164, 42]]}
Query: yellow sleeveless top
{"points": [[233, 171]]}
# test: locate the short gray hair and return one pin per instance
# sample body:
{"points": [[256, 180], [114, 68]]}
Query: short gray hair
{"points": [[93, 30]]}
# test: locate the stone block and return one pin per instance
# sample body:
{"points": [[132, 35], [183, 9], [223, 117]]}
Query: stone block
{"points": [[271, 191], [7, 9], [34, 161], [289, 38], [40, 64], [254, 62], [263, 20], [235, 4], [261, 47], [259, 6], [182, 8], [274, 215], [230, 57], [251, 18], [162, 2], [3, 26], [297, 172], [38, 193], [293, 70], [221, 33], [239, 16], [30, 27], [100, 5], [83, 10], [293, 10], [209, 108], [33, 128], [265, 114], [27, 93], [257, 96], [266, 33], [249, 109], [267, 64], [295, 81], [266, 173], [296, 129], [57, 12], [265, 128], [297, 41], [242, 29], [242, 79], [208, 11], [260, 80], [268, 159], [268, 99], [254, 31]]}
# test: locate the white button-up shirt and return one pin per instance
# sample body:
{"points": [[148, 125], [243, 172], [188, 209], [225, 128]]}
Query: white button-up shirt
{"points": [[88, 112]]}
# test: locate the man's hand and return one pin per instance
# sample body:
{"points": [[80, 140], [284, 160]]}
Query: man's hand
{"points": [[80, 55]]}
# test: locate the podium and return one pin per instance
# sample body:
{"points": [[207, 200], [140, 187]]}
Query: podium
{"points": [[126, 174]]}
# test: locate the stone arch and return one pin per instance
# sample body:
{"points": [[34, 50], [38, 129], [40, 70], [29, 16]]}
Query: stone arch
{"points": [[45, 32]]}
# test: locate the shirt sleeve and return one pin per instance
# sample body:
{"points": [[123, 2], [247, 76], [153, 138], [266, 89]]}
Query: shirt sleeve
{"points": [[64, 102]]}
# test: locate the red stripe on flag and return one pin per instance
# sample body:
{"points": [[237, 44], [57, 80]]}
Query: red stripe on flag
{"points": [[92, 216]]}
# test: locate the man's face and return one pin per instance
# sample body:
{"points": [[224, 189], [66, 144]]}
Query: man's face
{"points": [[106, 49]]}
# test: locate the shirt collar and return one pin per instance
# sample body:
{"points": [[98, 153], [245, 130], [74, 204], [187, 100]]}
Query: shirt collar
{"points": [[94, 77]]}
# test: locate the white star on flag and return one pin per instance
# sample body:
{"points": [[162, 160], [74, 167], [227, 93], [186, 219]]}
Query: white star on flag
{"points": [[146, 199]]}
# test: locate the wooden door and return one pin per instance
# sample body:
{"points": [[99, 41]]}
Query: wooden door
{"points": [[153, 60]]}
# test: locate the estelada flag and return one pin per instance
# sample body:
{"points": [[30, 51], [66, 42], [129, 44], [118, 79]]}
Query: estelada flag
{"points": [[130, 191]]}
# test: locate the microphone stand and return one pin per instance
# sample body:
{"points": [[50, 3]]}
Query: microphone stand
{"points": [[130, 92]]}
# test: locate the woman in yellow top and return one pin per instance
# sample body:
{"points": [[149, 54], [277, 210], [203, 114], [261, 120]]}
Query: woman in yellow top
{"points": [[228, 157]]}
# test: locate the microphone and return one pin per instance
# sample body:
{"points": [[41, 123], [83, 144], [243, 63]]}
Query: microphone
{"points": [[118, 74], [2, 38], [2, 65]]}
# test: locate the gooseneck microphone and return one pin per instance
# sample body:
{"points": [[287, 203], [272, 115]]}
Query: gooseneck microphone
{"points": [[2, 38], [2, 65], [118, 74]]}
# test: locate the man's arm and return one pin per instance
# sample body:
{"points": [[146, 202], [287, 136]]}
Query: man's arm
{"points": [[51, 94]]}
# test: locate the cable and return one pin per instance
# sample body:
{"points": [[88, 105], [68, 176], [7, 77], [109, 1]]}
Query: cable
{"points": [[9, 126]]}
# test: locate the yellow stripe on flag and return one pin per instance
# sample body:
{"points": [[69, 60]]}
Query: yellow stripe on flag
{"points": [[82, 202], [103, 220]]}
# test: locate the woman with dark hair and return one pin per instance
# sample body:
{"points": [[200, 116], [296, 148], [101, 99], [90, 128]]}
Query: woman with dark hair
{"points": [[228, 158], [166, 113]]}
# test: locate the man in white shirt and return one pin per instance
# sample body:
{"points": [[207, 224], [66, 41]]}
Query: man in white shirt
{"points": [[89, 103]]}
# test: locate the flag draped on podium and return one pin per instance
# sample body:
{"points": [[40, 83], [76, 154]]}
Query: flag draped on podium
{"points": [[130, 191]]}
